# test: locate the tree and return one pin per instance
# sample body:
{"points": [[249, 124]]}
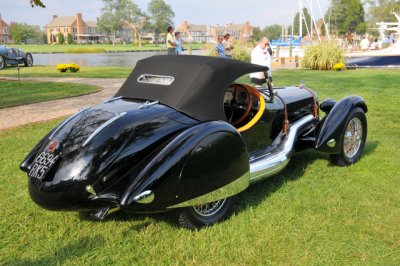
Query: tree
{"points": [[60, 38], [115, 13], [272, 32], [38, 3], [381, 11], [305, 24], [346, 16], [161, 16], [22, 32], [69, 38]]}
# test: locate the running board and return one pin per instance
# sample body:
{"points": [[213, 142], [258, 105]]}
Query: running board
{"points": [[275, 160]]}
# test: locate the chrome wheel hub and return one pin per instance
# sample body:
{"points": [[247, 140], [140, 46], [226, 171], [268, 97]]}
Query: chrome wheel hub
{"points": [[209, 209], [352, 138]]}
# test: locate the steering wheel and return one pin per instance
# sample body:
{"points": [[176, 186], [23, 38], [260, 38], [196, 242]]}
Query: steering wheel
{"points": [[234, 104]]}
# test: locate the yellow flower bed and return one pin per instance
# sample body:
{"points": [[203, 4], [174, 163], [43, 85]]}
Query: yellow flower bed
{"points": [[71, 67], [338, 66]]}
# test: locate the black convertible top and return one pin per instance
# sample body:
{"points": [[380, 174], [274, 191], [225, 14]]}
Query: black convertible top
{"points": [[198, 83]]}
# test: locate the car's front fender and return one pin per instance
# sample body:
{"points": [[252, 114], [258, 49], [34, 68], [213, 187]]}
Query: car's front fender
{"points": [[334, 123]]}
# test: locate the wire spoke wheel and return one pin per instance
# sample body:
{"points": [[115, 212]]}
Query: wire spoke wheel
{"points": [[209, 209], [352, 137], [195, 217], [2, 63]]}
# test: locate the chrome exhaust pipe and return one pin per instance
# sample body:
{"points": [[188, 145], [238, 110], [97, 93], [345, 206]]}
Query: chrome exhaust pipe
{"points": [[273, 161]]}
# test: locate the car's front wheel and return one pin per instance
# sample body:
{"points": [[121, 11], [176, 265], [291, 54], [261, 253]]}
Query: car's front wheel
{"points": [[205, 214], [28, 61], [354, 136], [2, 62]]}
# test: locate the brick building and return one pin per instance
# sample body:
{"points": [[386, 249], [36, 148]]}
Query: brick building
{"points": [[4, 31], [208, 34], [81, 31]]}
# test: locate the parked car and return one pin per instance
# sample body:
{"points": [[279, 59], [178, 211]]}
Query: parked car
{"points": [[182, 135], [14, 56]]}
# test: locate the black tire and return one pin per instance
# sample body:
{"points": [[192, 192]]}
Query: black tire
{"points": [[351, 150], [28, 61], [2, 62], [191, 217]]}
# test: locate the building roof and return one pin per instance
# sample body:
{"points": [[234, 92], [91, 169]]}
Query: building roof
{"points": [[3, 23], [197, 28], [230, 27], [91, 23], [61, 22]]}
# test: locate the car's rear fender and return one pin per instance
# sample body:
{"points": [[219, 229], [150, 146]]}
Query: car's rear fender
{"points": [[334, 123], [204, 163]]}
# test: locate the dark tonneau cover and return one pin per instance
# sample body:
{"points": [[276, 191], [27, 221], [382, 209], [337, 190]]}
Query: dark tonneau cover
{"points": [[198, 87]]}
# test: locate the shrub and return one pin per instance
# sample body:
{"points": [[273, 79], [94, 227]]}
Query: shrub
{"points": [[74, 67], [69, 38], [71, 67], [339, 66], [62, 67], [61, 38], [322, 56], [241, 53], [85, 50]]}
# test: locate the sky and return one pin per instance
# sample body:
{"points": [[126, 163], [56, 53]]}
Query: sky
{"points": [[257, 12]]}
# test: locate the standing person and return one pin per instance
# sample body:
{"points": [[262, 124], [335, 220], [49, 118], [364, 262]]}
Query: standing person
{"points": [[178, 43], [219, 47], [269, 49], [227, 45], [364, 43], [261, 56], [170, 41]]}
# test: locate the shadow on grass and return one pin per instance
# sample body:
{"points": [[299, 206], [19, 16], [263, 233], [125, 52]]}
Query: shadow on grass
{"points": [[257, 193], [252, 196], [70, 251]]}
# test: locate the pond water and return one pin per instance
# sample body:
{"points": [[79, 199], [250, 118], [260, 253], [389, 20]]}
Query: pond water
{"points": [[103, 59]]}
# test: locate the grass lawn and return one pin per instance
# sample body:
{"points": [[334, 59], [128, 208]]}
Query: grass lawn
{"points": [[45, 48], [312, 213], [51, 71], [14, 93]]}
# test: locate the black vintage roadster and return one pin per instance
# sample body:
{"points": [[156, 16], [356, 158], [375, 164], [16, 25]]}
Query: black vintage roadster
{"points": [[14, 56], [182, 135]]}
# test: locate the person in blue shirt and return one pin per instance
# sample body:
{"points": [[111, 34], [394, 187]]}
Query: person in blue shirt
{"points": [[178, 43], [219, 47]]}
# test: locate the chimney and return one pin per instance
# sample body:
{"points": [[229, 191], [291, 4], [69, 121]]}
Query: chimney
{"points": [[247, 30], [185, 28], [54, 17], [79, 25]]}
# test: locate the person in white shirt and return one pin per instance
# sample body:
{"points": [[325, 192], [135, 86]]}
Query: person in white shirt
{"points": [[364, 44], [261, 56]]}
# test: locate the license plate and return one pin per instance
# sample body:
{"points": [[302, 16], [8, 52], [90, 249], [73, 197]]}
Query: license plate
{"points": [[42, 165]]}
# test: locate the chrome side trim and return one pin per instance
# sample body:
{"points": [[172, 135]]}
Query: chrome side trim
{"points": [[67, 120], [113, 99], [277, 159], [145, 197], [103, 126], [148, 104]]}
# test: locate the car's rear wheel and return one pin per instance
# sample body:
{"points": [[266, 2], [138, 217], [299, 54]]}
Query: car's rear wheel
{"points": [[28, 61], [354, 136], [2, 62], [198, 216]]}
